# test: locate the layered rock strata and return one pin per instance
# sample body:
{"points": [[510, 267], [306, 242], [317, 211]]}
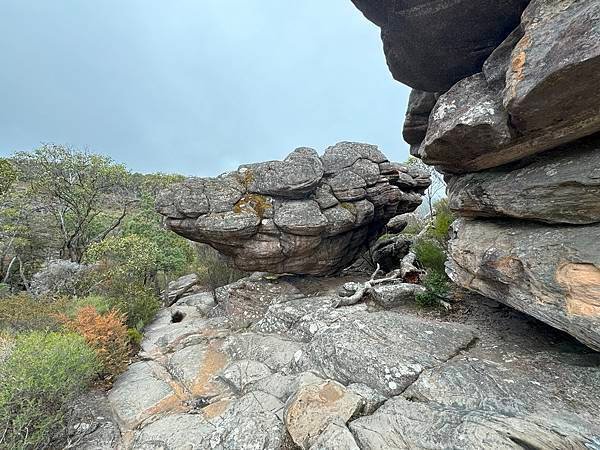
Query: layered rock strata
{"points": [[518, 137], [304, 215]]}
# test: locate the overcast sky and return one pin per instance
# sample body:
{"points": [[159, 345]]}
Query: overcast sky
{"points": [[194, 86]]}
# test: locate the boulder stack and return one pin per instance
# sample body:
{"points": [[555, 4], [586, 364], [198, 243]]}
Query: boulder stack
{"points": [[304, 215], [514, 124]]}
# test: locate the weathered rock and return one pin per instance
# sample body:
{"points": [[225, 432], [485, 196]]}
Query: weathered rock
{"points": [[559, 186], [305, 215], [549, 272], [396, 294], [419, 107], [244, 372], [335, 437], [180, 287], [431, 45], [275, 352], [385, 351], [314, 407], [370, 398], [59, 277], [389, 251], [397, 224], [204, 302], [550, 97]]}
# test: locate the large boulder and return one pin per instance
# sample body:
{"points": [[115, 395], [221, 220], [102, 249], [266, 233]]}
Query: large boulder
{"points": [[549, 272], [430, 45], [538, 90], [553, 187], [304, 215]]}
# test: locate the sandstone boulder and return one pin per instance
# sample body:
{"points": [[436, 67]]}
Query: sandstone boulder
{"points": [[549, 272], [539, 95], [431, 45], [559, 186], [304, 215]]}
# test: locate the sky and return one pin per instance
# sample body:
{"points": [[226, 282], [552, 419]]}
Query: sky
{"points": [[194, 86]]}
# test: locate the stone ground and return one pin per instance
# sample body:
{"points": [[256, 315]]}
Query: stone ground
{"points": [[294, 372]]}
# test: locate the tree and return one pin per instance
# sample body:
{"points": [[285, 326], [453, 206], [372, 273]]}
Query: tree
{"points": [[85, 196], [8, 176], [437, 188]]}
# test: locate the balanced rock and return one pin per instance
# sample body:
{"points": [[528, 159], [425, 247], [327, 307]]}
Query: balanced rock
{"points": [[535, 92], [431, 45], [551, 273], [304, 215]]}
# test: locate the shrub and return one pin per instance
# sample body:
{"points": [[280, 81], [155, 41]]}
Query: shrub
{"points": [[106, 334], [21, 312], [437, 286], [441, 222], [135, 337], [40, 378], [139, 306], [100, 303], [59, 277], [213, 270], [4, 290], [430, 254]]}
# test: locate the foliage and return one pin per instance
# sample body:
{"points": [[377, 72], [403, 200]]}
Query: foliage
{"points": [[124, 259], [101, 304], [134, 336], [139, 306], [21, 312], [73, 187], [430, 254], [8, 175], [442, 220], [213, 270], [38, 381], [437, 286], [105, 333], [59, 278]]}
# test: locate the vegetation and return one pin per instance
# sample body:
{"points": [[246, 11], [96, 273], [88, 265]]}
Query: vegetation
{"points": [[42, 375]]}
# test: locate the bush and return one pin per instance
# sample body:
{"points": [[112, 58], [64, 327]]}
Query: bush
{"points": [[38, 381], [59, 277], [437, 286], [430, 254], [21, 312], [106, 334], [139, 306], [100, 303], [213, 270], [441, 222]]}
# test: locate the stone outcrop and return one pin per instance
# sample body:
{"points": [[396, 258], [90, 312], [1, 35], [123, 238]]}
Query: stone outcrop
{"points": [[304, 215], [552, 273], [518, 137], [304, 374], [533, 94], [430, 45]]}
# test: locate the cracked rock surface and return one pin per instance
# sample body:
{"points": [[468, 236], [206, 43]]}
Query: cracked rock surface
{"points": [[303, 374], [308, 214]]}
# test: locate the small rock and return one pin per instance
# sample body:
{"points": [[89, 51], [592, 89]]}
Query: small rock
{"points": [[393, 295]]}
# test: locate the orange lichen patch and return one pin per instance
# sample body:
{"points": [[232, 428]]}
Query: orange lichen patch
{"points": [[330, 393], [518, 63], [216, 409], [255, 202], [172, 403], [508, 266], [582, 285], [213, 361]]}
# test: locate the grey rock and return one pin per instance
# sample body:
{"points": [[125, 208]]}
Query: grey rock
{"points": [[59, 277], [397, 224], [335, 437], [204, 302], [469, 127], [389, 251], [384, 350], [419, 107], [402, 424], [275, 352], [432, 45], [304, 215], [552, 187], [242, 373], [371, 399], [396, 294], [177, 431], [314, 407], [178, 288], [549, 272]]}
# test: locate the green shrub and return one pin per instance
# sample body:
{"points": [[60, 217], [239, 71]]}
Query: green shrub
{"points": [[437, 285], [213, 270], [430, 254], [43, 374], [100, 303], [4, 290], [441, 222], [134, 336], [22, 312], [140, 306]]}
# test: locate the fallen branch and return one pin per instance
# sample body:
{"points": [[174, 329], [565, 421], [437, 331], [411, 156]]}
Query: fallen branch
{"points": [[365, 287]]}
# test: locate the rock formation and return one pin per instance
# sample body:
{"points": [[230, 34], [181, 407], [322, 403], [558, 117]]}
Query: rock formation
{"points": [[304, 215], [517, 134]]}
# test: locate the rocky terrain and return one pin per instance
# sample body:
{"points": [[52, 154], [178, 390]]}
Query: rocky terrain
{"points": [[515, 130], [293, 371], [304, 215]]}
